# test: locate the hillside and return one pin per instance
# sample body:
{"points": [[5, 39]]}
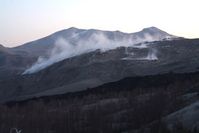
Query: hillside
{"points": [[96, 68], [134, 105]]}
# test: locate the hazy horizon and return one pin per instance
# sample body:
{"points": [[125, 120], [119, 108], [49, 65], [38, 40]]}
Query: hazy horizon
{"points": [[27, 20]]}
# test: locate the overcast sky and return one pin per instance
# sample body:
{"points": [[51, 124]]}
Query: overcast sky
{"points": [[22, 21]]}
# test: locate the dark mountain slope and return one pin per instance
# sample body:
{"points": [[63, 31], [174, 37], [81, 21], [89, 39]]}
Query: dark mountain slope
{"points": [[96, 68], [134, 104], [12, 62], [26, 55]]}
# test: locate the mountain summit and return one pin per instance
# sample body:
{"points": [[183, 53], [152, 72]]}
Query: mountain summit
{"points": [[73, 42], [147, 34], [74, 36], [154, 33]]}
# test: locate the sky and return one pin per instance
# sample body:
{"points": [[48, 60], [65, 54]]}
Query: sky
{"points": [[22, 21]]}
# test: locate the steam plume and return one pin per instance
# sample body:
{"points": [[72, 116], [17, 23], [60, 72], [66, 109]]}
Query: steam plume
{"points": [[64, 49]]}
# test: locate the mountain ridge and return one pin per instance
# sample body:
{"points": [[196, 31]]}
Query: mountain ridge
{"points": [[73, 41], [31, 52], [74, 29]]}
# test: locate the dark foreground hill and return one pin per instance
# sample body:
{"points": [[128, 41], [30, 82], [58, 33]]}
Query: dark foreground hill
{"points": [[166, 103]]}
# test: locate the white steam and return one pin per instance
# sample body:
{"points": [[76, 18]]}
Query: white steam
{"points": [[151, 56], [77, 45]]}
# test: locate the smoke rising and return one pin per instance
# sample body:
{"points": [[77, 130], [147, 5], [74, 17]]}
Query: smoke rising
{"points": [[152, 55], [77, 45]]}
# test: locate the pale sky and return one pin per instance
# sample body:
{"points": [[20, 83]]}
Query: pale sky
{"points": [[22, 21]]}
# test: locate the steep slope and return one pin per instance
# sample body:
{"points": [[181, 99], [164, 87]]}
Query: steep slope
{"points": [[133, 104], [73, 42], [188, 117], [13, 62], [95, 68], [39, 54], [74, 35]]}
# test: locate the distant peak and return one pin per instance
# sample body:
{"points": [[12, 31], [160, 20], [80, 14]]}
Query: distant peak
{"points": [[152, 29], [69, 30], [1, 46], [156, 31], [72, 28]]}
